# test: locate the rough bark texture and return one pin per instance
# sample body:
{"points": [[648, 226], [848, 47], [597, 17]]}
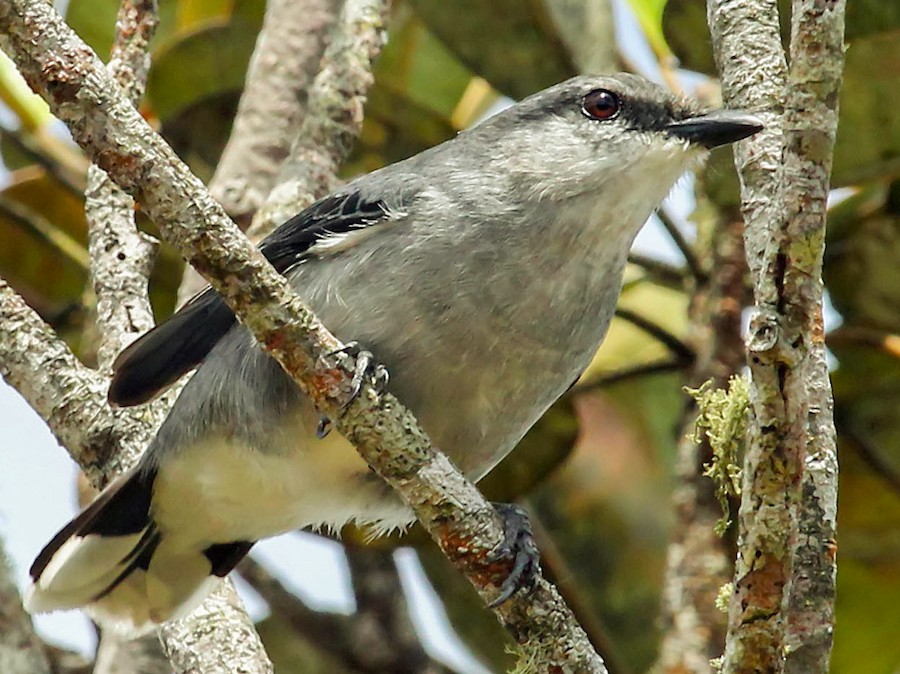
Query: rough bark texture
{"points": [[789, 503], [217, 638], [21, 651], [334, 114], [121, 257], [273, 104], [698, 561], [70, 397], [121, 260], [59, 66], [811, 119]]}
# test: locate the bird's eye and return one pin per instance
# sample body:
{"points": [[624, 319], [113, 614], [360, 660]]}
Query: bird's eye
{"points": [[600, 104]]}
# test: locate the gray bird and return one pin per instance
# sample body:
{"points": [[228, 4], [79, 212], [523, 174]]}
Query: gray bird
{"points": [[483, 273]]}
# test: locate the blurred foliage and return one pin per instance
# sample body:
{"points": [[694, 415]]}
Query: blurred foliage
{"points": [[598, 467]]}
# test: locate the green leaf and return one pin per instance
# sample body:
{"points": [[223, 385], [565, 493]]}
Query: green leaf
{"points": [[30, 108], [30, 258], [649, 14]]}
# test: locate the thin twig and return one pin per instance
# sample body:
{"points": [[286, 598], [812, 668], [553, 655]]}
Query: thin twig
{"points": [[665, 274], [36, 225], [681, 243], [679, 349], [605, 379], [63, 165]]}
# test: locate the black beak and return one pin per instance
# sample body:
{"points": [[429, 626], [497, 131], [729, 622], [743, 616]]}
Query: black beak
{"points": [[716, 128]]}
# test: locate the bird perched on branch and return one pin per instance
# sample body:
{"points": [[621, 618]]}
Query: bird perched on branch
{"points": [[483, 273]]}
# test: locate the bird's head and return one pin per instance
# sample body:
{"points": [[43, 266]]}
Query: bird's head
{"points": [[615, 133]]}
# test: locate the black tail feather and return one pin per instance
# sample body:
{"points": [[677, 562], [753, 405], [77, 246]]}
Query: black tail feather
{"points": [[156, 360], [128, 499]]}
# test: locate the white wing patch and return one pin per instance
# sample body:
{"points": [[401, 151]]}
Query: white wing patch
{"points": [[332, 243], [78, 571]]}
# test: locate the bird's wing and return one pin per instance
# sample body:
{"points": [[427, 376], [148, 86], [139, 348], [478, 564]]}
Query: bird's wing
{"points": [[160, 357]]}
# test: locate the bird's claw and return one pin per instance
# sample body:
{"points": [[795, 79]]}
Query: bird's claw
{"points": [[363, 366], [519, 546], [324, 426]]}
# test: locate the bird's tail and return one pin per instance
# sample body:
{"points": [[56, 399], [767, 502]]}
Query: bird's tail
{"points": [[113, 560]]}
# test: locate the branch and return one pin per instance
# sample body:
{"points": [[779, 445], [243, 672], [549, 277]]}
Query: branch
{"points": [[682, 352], [119, 655], [665, 274], [47, 155], [216, 638], [605, 379], [674, 231], [122, 258], [781, 605], [811, 119], [21, 651], [59, 66], [70, 397], [334, 114], [273, 104], [355, 41]]}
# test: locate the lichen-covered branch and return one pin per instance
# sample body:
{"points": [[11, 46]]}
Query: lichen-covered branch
{"points": [[790, 468], [59, 66], [286, 59], [811, 119], [216, 638], [334, 114]]}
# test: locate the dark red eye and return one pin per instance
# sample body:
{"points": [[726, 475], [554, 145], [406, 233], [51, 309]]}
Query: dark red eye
{"points": [[600, 104]]}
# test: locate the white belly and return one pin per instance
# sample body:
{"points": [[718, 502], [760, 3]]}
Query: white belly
{"points": [[219, 491]]}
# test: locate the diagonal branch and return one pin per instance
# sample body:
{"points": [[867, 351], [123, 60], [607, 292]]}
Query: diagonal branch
{"points": [[70, 397], [59, 66], [681, 351], [690, 256], [121, 260]]}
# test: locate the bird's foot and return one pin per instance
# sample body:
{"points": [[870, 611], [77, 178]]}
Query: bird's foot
{"points": [[519, 547], [363, 366]]}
